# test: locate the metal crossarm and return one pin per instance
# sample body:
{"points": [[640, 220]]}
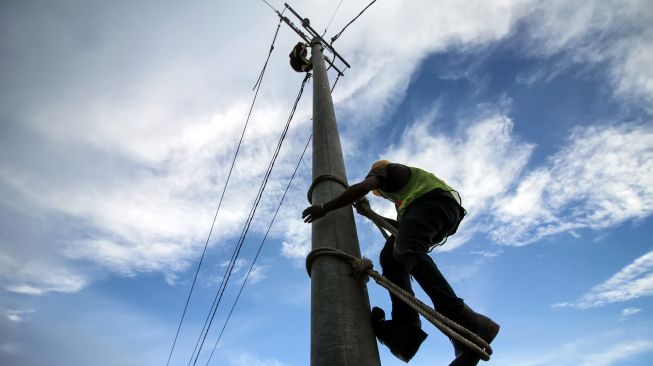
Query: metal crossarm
{"points": [[306, 24]]}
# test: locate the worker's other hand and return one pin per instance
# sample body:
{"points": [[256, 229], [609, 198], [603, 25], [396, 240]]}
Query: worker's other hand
{"points": [[361, 206], [313, 213]]}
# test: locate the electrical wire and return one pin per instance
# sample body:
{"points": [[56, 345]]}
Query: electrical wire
{"points": [[233, 162], [333, 39], [332, 16], [260, 77], [251, 267], [292, 177], [268, 4], [221, 290]]}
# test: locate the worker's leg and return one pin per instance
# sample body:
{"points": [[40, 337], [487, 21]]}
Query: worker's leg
{"points": [[402, 334], [426, 218], [393, 271]]}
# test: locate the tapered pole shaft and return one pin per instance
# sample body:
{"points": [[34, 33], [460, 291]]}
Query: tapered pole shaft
{"points": [[341, 334]]}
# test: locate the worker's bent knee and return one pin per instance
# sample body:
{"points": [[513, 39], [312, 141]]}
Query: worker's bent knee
{"points": [[386, 256], [407, 260]]}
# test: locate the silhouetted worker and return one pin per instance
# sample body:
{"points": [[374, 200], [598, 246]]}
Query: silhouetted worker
{"points": [[428, 211], [298, 59]]}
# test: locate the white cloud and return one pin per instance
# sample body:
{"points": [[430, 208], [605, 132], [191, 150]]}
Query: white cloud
{"points": [[297, 243], [591, 350], [9, 348], [618, 353], [257, 274], [616, 33], [628, 312], [38, 278], [247, 359], [603, 177], [18, 316], [487, 253], [633, 281], [237, 266]]}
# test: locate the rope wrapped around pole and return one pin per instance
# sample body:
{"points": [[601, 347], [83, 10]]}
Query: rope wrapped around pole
{"points": [[362, 268]]}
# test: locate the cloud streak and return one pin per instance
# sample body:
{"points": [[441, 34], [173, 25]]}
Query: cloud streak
{"points": [[617, 353], [603, 177], [633, 281]]}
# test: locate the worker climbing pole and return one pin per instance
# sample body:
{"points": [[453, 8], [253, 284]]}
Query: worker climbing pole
{"points": [[428, 211]]}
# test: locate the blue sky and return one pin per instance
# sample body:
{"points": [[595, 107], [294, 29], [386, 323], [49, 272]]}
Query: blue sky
{"points": [[118, 123]]}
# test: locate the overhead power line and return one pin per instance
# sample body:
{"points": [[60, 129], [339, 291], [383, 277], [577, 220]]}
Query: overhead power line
{"points": [[268, 4], [332, 16], [233, 162], [234, 257], [333, 39], [262, 243], [251, 267]]}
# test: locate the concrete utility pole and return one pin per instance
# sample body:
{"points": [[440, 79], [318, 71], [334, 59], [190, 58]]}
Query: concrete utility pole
{"points": [[341, 334]]}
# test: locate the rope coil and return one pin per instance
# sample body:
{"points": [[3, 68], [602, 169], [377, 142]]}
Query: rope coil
{"points": [[364, 267]]}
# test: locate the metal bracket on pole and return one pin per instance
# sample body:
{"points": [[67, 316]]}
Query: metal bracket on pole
{"points": [[307, 25]]}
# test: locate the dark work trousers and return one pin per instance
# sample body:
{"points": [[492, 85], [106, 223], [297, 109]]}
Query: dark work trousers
{"points": [[426, 220]]}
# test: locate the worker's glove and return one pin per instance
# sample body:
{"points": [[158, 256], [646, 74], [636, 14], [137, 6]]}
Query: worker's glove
{"points": [[313, 213], [362, 206]]}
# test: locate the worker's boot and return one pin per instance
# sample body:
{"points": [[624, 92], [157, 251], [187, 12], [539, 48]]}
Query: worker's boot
{"points": [[477, 323], [403, 339], [464, 356]]}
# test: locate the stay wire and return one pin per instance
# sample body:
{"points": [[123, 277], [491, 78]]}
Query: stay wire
{"points": [[259, 249], [333, 39], [248, 222], [233, 162]]}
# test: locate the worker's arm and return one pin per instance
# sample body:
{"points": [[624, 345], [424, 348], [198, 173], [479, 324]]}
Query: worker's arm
{"points": [[349, 196]]}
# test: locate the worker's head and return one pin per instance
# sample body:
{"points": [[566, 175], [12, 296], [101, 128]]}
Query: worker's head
{"points": [[378, 164]]}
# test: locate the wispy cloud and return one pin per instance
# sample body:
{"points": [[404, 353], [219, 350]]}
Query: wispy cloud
{"points": [[628, 312], [487, 253], [37, 278], [633, 281], [257, 274], [618, 353], [613, 33], [248, 359], [18, 316], [603, 177]]}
